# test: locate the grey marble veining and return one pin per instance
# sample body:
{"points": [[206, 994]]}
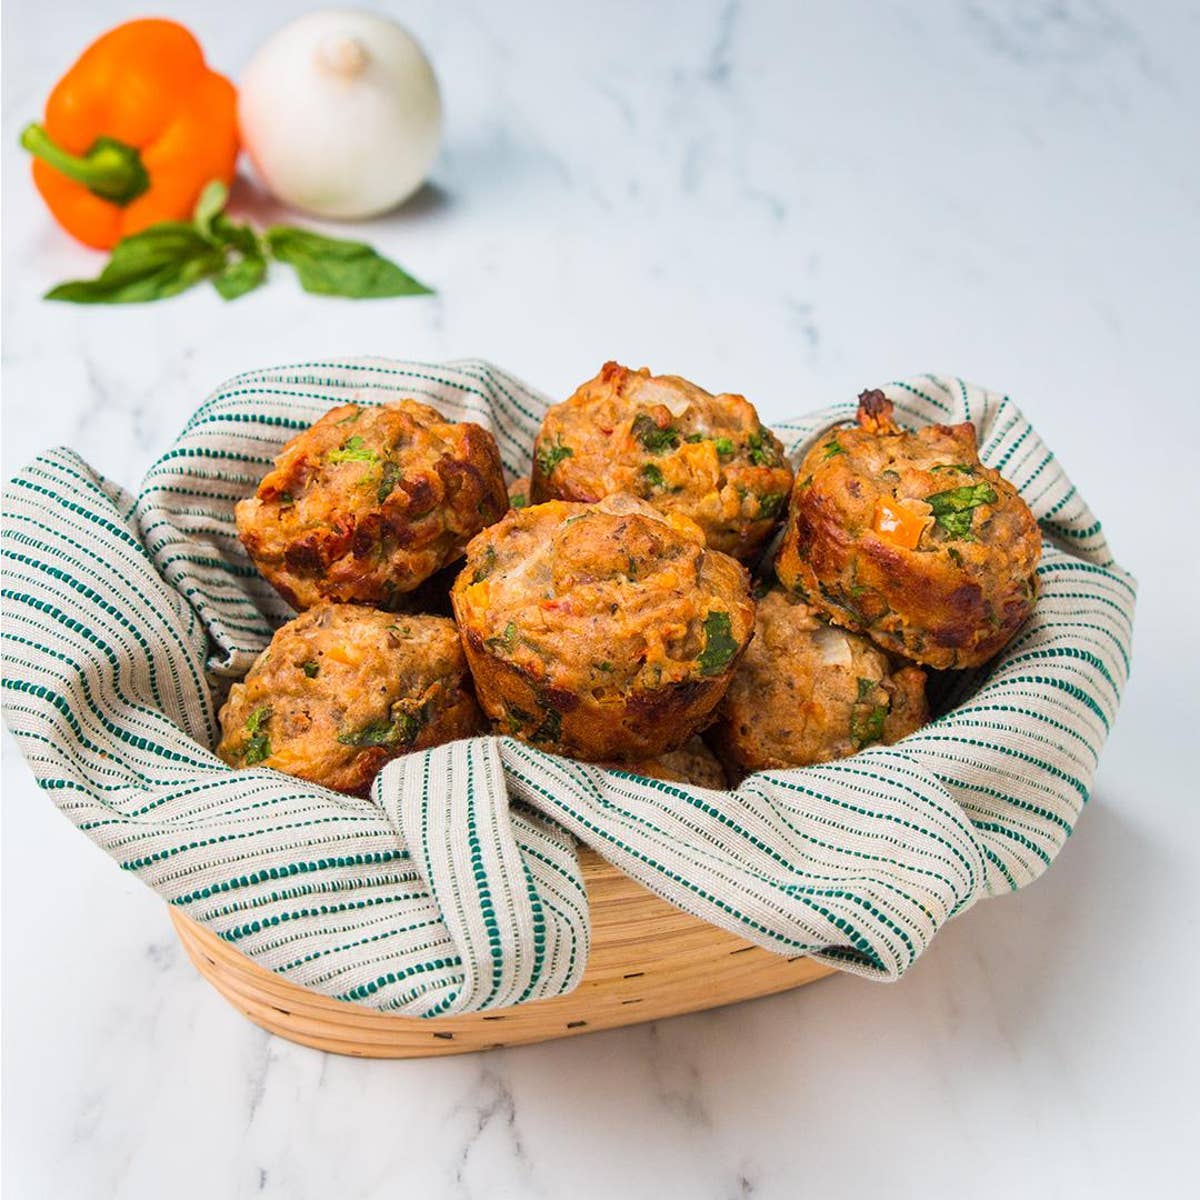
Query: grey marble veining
{"points": [[789, 200]]}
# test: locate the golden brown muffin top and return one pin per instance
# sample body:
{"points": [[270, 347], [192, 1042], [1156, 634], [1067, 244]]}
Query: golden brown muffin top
{"points": [[369, 502], [674, 445], [807, 692], [342, 689], [608, 598], [906, 535], [922, 489]]}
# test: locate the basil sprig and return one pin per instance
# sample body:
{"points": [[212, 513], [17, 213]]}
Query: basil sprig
{"points": [[172, 256]]}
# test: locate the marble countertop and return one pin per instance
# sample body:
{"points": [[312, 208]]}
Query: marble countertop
{"points": [[793, 201]]}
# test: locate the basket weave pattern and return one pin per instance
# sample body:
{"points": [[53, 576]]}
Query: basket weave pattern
{"points": [[648, 960]]}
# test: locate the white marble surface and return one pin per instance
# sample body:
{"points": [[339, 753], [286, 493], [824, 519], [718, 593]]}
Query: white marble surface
{"points": [[795, 201]]}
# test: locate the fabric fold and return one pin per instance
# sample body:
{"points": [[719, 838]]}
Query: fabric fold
{"points": [[457, 887], [507, 883]]}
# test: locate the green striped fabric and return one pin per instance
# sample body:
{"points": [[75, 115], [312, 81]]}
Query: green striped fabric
{"points": [[456, 887]]}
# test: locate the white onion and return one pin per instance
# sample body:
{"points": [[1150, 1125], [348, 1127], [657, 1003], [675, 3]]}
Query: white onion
{"points": [[340, 113], [833, 647], [653, 391]]}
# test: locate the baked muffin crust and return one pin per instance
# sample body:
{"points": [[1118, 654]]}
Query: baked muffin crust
{"points": [[906, 536], [343, 689], [672, 444], [604, 631], [809, 692], [368, 503]]}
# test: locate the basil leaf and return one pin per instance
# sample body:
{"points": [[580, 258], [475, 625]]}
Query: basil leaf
{"points": [[259, 717], [868, 726], [957, 525], [770, 505], [719, 646], [550, 730], [238, 237], [243, 274], [209, 206], [961, 499], [954, 510], [516, 717], [161, 261], [655, 439], [256, 750], [402, 730], [353, 449], [485, 568], [409, 725], [762, 449], [239, 277], [377, 733], [652, 475], [548, 457], [170, 257], [505, 641], [390, 475], [334, 267], [257, 747]]}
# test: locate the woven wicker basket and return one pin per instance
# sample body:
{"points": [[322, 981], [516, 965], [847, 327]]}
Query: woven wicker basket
{"points": [[118, 608], [648, 960]]}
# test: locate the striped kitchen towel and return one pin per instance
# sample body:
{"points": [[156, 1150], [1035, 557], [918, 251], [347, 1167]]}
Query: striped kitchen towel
{"points": [[456, 886]]}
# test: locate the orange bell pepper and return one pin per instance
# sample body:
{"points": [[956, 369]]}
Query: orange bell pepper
{"points": [[902, 522], [133, 132]]}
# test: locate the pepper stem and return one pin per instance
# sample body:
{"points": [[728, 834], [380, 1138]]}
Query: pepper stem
{"points": [[110, 169]]}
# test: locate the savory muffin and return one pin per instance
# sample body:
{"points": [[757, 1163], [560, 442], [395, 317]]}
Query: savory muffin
{"points": [[369, 502], [692, 763], [604, 631], [343, 689], [674, 445], [909, 538], [808, 692]]}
